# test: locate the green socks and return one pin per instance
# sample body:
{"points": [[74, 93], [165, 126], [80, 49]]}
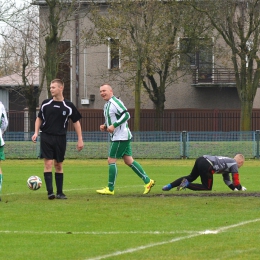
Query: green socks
{"points": [[135, 166], [138, 169], [112, 176]]}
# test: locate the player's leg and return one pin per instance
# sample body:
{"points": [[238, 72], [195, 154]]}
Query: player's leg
{"points": [[184, 181], [174, 184], [48, 163], [112, 168], [206, 176], [59, 153], [47, 155], [59, 176], [136, 167], [112, 174]]}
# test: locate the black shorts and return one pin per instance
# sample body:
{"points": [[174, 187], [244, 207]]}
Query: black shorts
{"points": [[53, 146]]}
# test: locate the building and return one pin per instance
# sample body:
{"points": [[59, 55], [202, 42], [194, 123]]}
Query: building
{"points": [[208, 88], [11, 90]]}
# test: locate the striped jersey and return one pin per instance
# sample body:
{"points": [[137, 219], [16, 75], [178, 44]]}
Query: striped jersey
{"points": [[3, 123], [116, 114], [55, 116]]}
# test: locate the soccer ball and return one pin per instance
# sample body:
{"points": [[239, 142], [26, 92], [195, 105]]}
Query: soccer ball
{"points": [[34, 183]]}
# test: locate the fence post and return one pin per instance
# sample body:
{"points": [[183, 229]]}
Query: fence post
{"points": [[26, 124], [38, 145], [184, 144], [257, 143]]}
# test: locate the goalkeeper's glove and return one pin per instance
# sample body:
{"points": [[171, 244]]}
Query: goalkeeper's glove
{"points": [[242, 189]]}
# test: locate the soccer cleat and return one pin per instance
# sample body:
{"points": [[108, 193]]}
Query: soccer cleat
{"points": [[167, 187], [61, 196], [105, 191], [148, 186], [183, 185], [51, 196]]}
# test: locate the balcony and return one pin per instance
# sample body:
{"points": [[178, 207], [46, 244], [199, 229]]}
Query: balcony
{"points": [[213, 78]]}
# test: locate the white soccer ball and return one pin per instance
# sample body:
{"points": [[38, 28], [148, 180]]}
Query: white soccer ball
{"points": [[34, 183]]}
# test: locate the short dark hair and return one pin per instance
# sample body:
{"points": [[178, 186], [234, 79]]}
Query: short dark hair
{"points": [[59, 81], [106, 84]]}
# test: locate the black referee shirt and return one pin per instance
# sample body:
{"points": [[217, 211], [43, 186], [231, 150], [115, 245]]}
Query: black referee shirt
{"points": [[55, 116]]}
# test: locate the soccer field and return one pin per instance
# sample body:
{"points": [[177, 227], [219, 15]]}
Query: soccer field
{"points": [[220, 224]]}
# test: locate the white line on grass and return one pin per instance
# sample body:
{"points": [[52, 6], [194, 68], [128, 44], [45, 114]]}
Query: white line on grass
{"points": [[68, 190], [131, 250], [192, 233], [96, 233]]}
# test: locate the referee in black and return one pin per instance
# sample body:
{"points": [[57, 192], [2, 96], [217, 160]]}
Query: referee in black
{"points": [[53, 120]]}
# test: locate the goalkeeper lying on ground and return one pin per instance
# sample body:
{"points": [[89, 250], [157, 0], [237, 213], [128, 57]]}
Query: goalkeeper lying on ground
{"points": [[205, 167]]}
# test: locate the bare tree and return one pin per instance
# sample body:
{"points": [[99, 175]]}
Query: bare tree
{"points": [[238, 22], [54, 22], [19, 54], [148, 34]]}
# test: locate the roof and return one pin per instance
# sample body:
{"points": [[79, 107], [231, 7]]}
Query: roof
{"points": [[15, 80]]}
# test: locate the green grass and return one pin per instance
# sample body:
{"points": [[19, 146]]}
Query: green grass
{"points": [[128, 225]]}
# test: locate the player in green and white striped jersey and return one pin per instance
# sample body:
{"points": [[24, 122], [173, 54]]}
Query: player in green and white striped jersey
{"points": [[116, 117], [3, 127]]}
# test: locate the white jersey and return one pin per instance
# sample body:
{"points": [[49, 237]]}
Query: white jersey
{"points": [[116, 114], [3, 123]]}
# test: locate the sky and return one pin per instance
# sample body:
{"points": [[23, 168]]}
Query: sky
{"points": [[20, 1]]}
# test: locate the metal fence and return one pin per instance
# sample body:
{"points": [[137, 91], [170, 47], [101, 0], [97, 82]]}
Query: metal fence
{"points": [[147, 145]]}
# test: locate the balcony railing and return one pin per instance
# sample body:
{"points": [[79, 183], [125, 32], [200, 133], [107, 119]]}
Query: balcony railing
{"points": [[213, 77]]}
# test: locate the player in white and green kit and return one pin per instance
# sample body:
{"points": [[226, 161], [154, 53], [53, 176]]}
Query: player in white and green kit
{"points": [[3, 127], [116, 117]]}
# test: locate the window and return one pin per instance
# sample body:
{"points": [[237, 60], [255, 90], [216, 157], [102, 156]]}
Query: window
{"points": [[198, 53], [113, 54], [187, 52]]}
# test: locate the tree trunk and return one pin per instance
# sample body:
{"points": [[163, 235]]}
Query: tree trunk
{"points": [[137, 97], [51, 61], [159, 115], [31, 95], [246, 115]]}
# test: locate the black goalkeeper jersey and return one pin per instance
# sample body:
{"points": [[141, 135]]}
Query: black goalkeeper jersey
{"points": [[55, 116]]}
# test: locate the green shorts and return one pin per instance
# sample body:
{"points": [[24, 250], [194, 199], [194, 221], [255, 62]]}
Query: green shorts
{"points": [[2, 154], [120, 148]]}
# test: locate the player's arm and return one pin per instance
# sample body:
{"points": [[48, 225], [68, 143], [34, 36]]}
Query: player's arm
{"points": [[38, 123], [236, 181], [4, 120], [78, 130], [227, 181], [124, 116]]}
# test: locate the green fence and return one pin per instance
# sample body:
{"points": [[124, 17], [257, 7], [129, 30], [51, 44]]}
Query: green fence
{"points": [[147, 145]]}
